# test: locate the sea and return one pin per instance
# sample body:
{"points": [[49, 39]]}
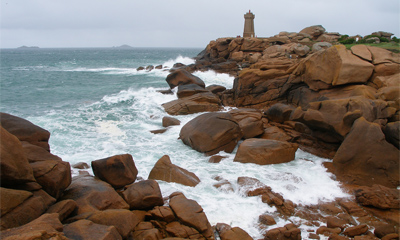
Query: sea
{"points": [[96, 104]]}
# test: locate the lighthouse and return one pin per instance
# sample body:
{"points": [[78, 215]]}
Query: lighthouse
{"points": [[249, 25]]}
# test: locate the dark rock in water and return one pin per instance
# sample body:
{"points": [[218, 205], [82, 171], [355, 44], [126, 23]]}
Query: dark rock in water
{"points": [[14, 165], [119, 170], [366, 158], [143, 195], [188, 90], [211, 133], [264, 151], [150, 67], [168, 91], [158, 67], [139, 68], [227, 232], [166, 171], [25, 130], [85, 229], [182, 77], [178, 65], [159, 131], [81, 165], [216, 159], [170, 121]]}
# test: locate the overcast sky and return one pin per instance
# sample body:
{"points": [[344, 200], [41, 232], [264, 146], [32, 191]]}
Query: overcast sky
{"points": [[181, 23]]}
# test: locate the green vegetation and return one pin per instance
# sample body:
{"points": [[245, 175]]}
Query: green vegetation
{"points": [[391, 46]]}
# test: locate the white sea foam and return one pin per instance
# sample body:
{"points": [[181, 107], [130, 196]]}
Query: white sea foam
{"points": [[180, 59], [121, 123]]}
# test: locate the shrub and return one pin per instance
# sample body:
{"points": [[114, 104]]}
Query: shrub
{"points": [[395, 39], [343, 37], [348, 41]]}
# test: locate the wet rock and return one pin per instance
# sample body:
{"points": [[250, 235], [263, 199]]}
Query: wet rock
{"points": [[384, 229], [159, 131], [87, 230], [166, 171], [365, 158], [328, 230], [264, 151], [182, 77], [378, 196], [200, 102], [190, 213], [14, 165], [143, 195], [266, 220], [170, 121], [93, 195], [188, 90], [25, 130], [211, 133], [216, 159], [250, 121], [227, 232], [392, 133], [289, 231], [47, 226], [335, 222], [118, 170], [356, 230], [63, 208]]}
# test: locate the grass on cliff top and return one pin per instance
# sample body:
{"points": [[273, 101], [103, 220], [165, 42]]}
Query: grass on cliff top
{"points": [[391, 46]]}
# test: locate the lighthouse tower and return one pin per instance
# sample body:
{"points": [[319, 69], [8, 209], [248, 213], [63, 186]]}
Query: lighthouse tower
{"points": [[249, 25]]}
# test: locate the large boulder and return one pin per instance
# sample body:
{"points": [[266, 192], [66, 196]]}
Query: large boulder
{"points": [[143, 195], [182, 77], [118, 170], [392, 133], [14, 166], [366, 158], [200, 102], [279, 112], [227, 232], [20, 207], [47, 226], [53, 176], [250, 121], [87, 230], [190, 213], [264, 151], [189, 90], [24, 130], [166, 171], [123, 220], [314, 31], [333, 67], [211, 133], [92, 194]]}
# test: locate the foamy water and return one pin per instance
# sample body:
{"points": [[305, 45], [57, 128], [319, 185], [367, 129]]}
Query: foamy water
{"points": [[121, 123]]}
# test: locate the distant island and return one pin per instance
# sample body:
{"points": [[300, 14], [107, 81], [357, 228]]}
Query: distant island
{"points": [[24, 47], [124, 46]]}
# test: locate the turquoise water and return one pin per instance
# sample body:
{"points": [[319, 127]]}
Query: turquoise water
{"points": [[96, 104]]}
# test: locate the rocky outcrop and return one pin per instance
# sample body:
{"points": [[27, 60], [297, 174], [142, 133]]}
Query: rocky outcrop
{"points": [[211, 133], [85, 229], [249, 120], [119, 170], [227, 232], [166, 171], [366, 158], [378, 196], [25, 130], [200, 102], [143, 195], [182, 77], [264, 151]]}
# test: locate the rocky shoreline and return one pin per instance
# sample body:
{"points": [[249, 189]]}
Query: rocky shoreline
{"points": [[293, 90]]}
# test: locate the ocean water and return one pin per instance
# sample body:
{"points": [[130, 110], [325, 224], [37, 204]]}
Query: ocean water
{"points": [[96, 104]]}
